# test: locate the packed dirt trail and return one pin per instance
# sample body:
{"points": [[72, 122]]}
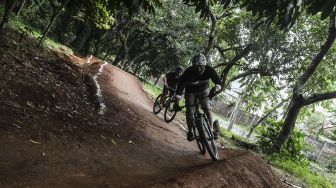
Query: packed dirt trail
{"points": [[53, 136]]}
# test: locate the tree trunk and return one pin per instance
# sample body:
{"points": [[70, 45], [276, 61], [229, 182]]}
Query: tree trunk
{"points": [[108, 52], [82, 34], [9, 6], [127, 65], [99, 42], [52, 21], [211, 40], [87, 44], [118, 58], [137, 68], [20, 8], [298, 101], [157, 79], [125, 49], [289, 124], [63, 24]]}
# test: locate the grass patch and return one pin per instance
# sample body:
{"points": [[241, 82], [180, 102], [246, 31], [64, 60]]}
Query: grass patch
{"points": [[236, 141], [57, 46], [258, 129], [302, 171], [228, 134], [151, 89], [18, 24]]}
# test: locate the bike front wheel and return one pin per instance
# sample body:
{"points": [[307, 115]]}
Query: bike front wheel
{"points": [[169, 113], [156, 107], [208, 139], [199, 140]]}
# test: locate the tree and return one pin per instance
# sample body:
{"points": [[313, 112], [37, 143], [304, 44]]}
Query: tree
{"points": [[56, 12], [287, 14], [298, 100], [9, 6]]}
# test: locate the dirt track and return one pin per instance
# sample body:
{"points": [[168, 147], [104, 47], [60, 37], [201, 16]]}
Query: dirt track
{"points": [[51, 135]]}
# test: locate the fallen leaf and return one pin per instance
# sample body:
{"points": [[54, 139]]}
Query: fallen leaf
{"points": [[103, 137], [113, 142], [131, 142], [35, 142], [17, 126], [30, 104]]}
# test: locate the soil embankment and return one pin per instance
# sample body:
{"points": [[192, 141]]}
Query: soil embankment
{"points": [[51, 134]]}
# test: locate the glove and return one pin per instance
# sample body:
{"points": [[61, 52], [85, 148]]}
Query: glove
{"points": [[214, 91]]}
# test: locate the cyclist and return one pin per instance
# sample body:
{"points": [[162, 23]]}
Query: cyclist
{"points": [[170, 80], [195, 80]]}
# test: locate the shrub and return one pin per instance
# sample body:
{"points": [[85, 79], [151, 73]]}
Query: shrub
{"points": [[312, 179], [331, 165], [293, 147]]}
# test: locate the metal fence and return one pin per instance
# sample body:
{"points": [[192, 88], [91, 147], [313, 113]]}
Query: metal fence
{"points": [[323, 151]]}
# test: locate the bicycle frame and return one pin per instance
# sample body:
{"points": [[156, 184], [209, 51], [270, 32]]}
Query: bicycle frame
{"points": [[198, 115], [206, 135]]}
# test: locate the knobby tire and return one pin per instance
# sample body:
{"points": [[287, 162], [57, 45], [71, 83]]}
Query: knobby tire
{"points": [[212, 149], [169, 109], [156, 108]]}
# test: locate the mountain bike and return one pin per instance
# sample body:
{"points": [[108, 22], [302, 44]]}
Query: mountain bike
{"points": [[202, 131], [168, 104]]}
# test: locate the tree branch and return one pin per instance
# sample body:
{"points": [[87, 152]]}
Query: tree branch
{"points": [[319, 97], [227, 69], [211, 40], [223, 15], [250, 72], [222, 51], [318, 58]]}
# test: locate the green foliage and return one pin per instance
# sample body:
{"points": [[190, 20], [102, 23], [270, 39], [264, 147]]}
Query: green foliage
{"points": [[227, 134], [333, 135], [103, 15], [301, 171], [331, 165], [293, 148], [201, 6], [151, 89], [287, 12], [315, 121]]}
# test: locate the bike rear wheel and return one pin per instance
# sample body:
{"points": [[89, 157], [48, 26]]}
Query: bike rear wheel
{"points": [[199, 140], [156, 107], [169, 113], [208, 139]]}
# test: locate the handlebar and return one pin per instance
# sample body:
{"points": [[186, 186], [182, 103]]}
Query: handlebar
{"points": [[199, 102]]}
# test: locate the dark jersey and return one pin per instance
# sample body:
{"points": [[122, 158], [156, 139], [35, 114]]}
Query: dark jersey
{"points": [[171, 79], [194, 83]]}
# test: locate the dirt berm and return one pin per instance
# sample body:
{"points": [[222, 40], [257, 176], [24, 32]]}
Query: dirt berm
{"points": [[51, 134]]}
